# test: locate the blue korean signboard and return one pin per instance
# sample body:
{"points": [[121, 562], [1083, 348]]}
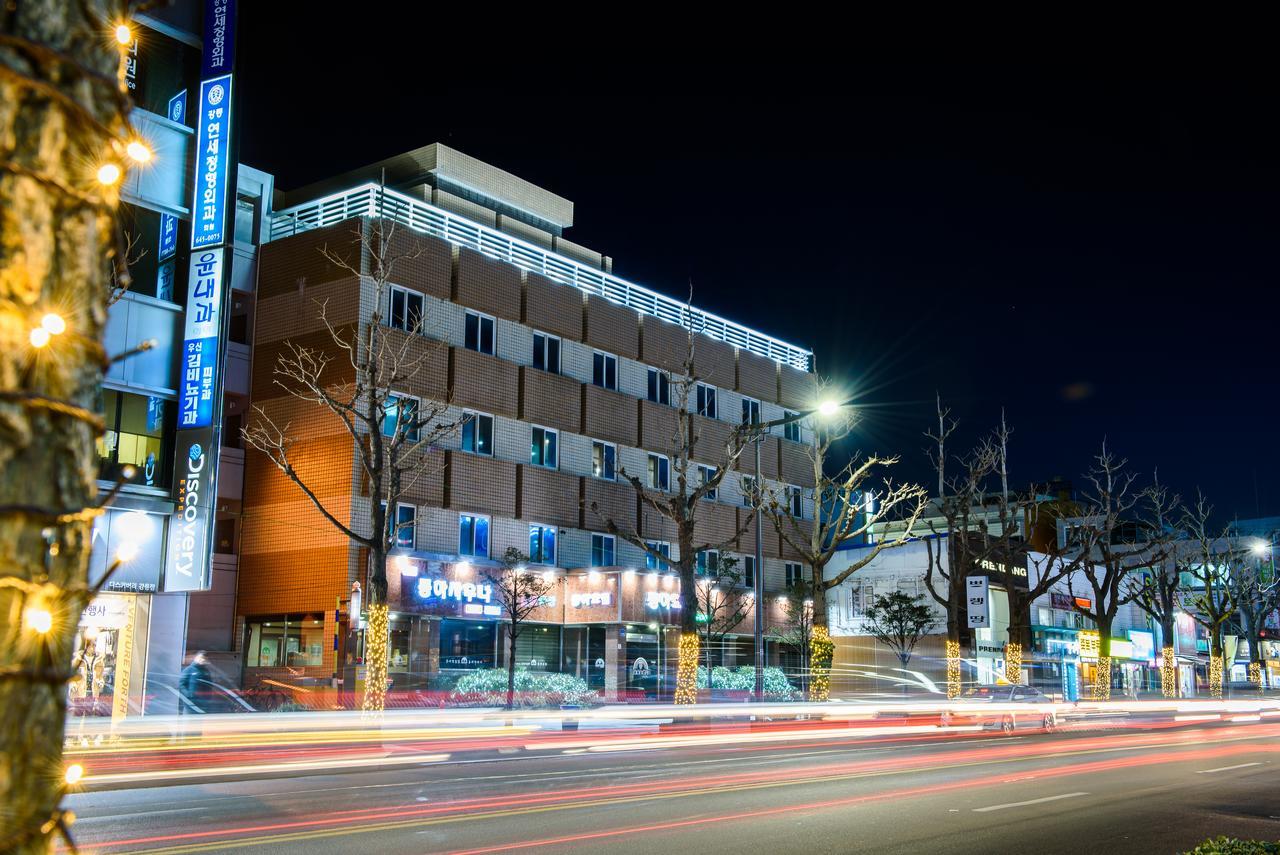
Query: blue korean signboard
{"points": [[190, 527], [219, 38], [178, 108], [198, 370], [213, 163]]}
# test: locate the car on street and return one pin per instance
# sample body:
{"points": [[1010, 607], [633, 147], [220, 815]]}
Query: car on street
{"points": [[1003, 707]]}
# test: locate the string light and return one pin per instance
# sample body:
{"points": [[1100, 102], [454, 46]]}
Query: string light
{"points": [[108, 174], [953, 669], [687, 669], [1168, 673], [73, 774], [53, 323], [1013, 662], [39, 337], [1102, 680], [38, 620], [375, 646], [124, 35], [138, 151], [1255, 673], [1215, 676], [821, 651]]}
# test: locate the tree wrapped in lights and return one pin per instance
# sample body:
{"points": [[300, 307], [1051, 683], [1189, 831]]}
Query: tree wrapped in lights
{"points": [[1154, 588], [1256, 591], [63, 122], [364, 380], [1207, 567], [697, 468], [858, 498]]}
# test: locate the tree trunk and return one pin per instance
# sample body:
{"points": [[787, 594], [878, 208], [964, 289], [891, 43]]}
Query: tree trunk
{"points": [[1215, 663], [689, 652], [1168, 660], [954, 683], [821, 648], [511, 666], [53, 257], [1019, 641], [377, 635], [1102, 675]]}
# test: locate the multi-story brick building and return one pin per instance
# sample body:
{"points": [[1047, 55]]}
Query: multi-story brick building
{"points": [[562, 374]]}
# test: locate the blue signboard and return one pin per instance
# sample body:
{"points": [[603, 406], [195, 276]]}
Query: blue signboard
{"points": [[190, 527], [213, 163], [198, 371], [219, 38], [178, 108]]}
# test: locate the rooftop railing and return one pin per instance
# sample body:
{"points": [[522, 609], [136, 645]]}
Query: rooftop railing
{"points": [[370, 200]]}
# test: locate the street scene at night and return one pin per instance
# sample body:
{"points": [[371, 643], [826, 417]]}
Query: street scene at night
{"points": [[408, 450]]}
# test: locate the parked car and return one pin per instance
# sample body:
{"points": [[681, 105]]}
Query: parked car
{"points": [[985, 705]]}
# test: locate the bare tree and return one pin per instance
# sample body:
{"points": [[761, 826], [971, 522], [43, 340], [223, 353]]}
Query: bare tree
{"points": [[899, 621], [1206, 569], [1107, 541], [392, 433], [797, 627], [851, 502], [520, 591], [697, 468], [1256, 592], [719, 609], [63, 115], [1154, 589]]}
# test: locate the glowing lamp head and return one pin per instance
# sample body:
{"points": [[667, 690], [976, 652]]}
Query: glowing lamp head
{"points": [[1260, 548], [39, 620], [138, 151], [828, 409], [124, 35], [39, 337], [108, 174]]}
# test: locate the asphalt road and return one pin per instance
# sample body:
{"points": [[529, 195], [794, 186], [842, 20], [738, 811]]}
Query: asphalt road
{"points": [[1159, 791]]}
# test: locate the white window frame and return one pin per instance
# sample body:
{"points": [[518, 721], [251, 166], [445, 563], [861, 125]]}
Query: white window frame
{"points": [[750, 486], [751, 403], [410, 294], [786, 570], [712, 566], [658, 545], [651, 471], [706, 473], [545, 430], [606, 358], [795, 501], [613, 547], [481, 318], [792, 427], [662, 387], [546, 338], [412, 436], [604, 445], [555, 547], [748, 576], [707, 397], [413, 529], [488, 527], [476, 414]]}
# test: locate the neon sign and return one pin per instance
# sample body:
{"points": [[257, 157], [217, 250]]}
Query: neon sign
{"points": [[437, 588]]}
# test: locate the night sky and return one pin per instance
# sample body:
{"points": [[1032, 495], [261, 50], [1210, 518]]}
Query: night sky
{"points": [[1090, 246]]}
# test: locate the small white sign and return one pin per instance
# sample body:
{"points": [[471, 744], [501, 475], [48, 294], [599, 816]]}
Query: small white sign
{"points": [[978, 602], [591, 598]]}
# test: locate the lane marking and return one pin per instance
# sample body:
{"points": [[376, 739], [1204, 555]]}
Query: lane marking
{"points": [[1227, 768], [1028, 802]]}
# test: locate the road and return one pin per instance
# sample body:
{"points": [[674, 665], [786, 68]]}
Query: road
{"points": [[1109, 790]]}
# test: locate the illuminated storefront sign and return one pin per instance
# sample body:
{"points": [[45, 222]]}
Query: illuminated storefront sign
{"points": [[1121, 649], [592, 598], [134, 538], [196, 465], [978, 601], [438, 588], [1144, 645], [661, 600], [197, 371], [1090, 643], [213, 162], [1001, 567]]}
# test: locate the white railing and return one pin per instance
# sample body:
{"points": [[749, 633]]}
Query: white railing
{"points": [[370, 200]]}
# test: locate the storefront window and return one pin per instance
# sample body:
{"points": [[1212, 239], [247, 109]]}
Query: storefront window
{"points": [[398, 648], [153, 256], [466, 645], [160, 65], [292, 641], [136, 436], [584, 654], [538, 648], [97, 652]]}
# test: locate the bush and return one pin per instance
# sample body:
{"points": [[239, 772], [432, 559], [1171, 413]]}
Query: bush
{"points": [[1235, 846], [743, 679], [534, 689]]}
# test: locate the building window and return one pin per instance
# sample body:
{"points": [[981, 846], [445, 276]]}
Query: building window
{"points": [[659, 387], [406, 309], [659, 472], [543, 449], [749, 570], [707, 562], [795, 502], [283, 640], [749, 491], [794, 573], [479, 333], [401, 410], [477, 433], [546, 352], [604, 371], [473, 536], [402, 527], [542, 544], [706, 473], [662, 548], [602, 554], [136, 436], [604, 460], [706, 396], [750, 411], [791, 430]]}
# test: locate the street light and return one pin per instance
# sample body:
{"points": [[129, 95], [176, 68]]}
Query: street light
{"points": [[826, 409]]}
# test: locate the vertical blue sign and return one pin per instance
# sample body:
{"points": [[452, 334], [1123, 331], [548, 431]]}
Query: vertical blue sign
{"points": [[199, 366], [213, 162], [219, 38]]}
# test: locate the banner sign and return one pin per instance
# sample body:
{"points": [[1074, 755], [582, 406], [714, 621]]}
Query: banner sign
{"points": [[978, 601], [198, 370], [195, 473], [213, 163], [137, 540], [219, 38]]}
